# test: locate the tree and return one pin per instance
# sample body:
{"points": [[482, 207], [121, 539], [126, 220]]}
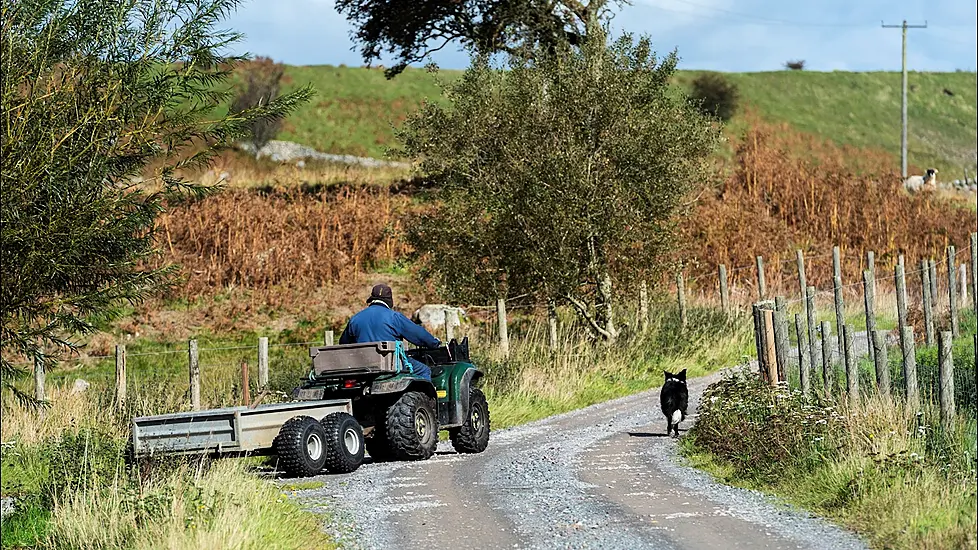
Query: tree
{"points": [[93, 91], [259, 84], [715, 95], [411, 30], [557, 177]]}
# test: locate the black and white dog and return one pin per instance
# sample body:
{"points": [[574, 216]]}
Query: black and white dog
{"points": [[673, 398]]}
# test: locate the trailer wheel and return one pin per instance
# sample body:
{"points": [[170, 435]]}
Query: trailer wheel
{"points": [[344, 443], [412, 426], [301, 447]]}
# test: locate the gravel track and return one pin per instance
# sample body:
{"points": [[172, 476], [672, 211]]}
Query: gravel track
{"points": [[601, 477]]}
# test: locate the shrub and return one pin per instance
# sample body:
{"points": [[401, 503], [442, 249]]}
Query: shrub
{"points": [[259, 84], [715, 95], [795, 65]]}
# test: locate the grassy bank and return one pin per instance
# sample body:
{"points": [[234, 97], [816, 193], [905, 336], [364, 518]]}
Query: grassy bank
{"points": [[889, 471], [356, 107]]}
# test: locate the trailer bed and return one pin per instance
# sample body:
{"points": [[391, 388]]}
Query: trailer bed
{"points": [[228, 430]]}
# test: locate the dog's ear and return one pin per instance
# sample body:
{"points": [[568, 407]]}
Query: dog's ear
{"points": [[668, 374], [682, 375]]}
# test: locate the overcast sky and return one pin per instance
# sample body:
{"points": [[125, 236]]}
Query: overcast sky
{"points": [[722, 35]]}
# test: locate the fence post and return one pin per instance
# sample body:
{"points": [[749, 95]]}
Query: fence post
{"points": [[781, 336], [880, 360], [963, 288], [934, 294], [552, 323], [770, 344], [245, 385], [503, 328], [120, 376], [840, 310], [952, 292], [194, 375], [946, 378], [758, 338], [328, 338], [869, 302], [681, 291], [40, 375], [909, 349], [806, 384], [802, 280], [812, 342], [724, 291], [761, 286], [262, 362], [901, 296], [827, 374], [449, 327], [928, 306], [852, 374], [974, 270]]}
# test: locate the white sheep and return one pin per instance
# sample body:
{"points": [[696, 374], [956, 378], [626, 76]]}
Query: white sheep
{"points": [[916, 183]]}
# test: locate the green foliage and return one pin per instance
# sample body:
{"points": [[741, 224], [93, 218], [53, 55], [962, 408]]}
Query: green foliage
{"points": [[411, 30], [27, 526], [715, 95], [762, 431], [93, 93], [554, 173], [259, 85]]}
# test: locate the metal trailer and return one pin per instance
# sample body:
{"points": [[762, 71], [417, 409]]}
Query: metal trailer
{"points": [[307, 435]]}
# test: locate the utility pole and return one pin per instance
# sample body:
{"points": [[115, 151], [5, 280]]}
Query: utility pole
{"points": [[903, 116]]}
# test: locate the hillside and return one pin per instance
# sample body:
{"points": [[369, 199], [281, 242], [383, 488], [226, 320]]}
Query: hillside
{"points": [[355, 107]]}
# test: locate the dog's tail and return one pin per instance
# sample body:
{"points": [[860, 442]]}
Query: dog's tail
{"points": [[677, 416]]}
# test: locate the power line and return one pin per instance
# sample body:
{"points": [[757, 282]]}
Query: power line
{"points": [[783, 22]]}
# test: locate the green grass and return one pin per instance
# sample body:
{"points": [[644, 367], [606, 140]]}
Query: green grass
{"points": [[355, 109]]}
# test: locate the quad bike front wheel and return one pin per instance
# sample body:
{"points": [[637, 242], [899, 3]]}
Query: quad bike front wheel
{"points": [[412, 427], [473, 435]]}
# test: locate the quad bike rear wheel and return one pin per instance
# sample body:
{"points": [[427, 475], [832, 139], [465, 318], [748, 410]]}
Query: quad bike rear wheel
{"points": [[412, 427], [473, 435]]}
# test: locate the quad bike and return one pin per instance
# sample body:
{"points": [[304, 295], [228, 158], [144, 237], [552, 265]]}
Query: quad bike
{"points": [[399, 412]]}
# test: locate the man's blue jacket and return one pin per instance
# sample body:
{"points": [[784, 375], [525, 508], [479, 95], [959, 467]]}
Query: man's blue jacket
{"points": [[378, 323]]}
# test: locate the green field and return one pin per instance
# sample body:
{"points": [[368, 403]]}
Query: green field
{"points": [[355, 108]]}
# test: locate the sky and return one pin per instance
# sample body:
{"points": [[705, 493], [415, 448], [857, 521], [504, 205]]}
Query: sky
{"points": [[720, 35]]}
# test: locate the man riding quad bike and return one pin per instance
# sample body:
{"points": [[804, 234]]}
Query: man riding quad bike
{"points": [[401, 398]]}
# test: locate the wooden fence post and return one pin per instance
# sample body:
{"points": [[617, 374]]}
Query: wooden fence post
{"points": [[934, 294], [781, 336], [245, 385], [724, 291], [802, 279], [449, 326], [502, 326], [928, 306], [963, 287], [952, 292], [758, 337], [761, 285], [40, 375], [827, 374], [880, 360], [262, 362], [901, 296], [840, 311], [328, 338], [869, 302], [812, 341], [852, 374], [770, 351], [946, 378], [552, 321], [974, 271], [909, 349], [681, 291], [194, 375], [120, 376], [803, 368]]}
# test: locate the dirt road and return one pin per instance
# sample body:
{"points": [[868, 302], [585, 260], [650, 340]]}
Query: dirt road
{"points": [[601, 477]]}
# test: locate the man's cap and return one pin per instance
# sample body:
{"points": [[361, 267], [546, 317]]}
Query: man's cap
{"points": [[382, 293]]}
